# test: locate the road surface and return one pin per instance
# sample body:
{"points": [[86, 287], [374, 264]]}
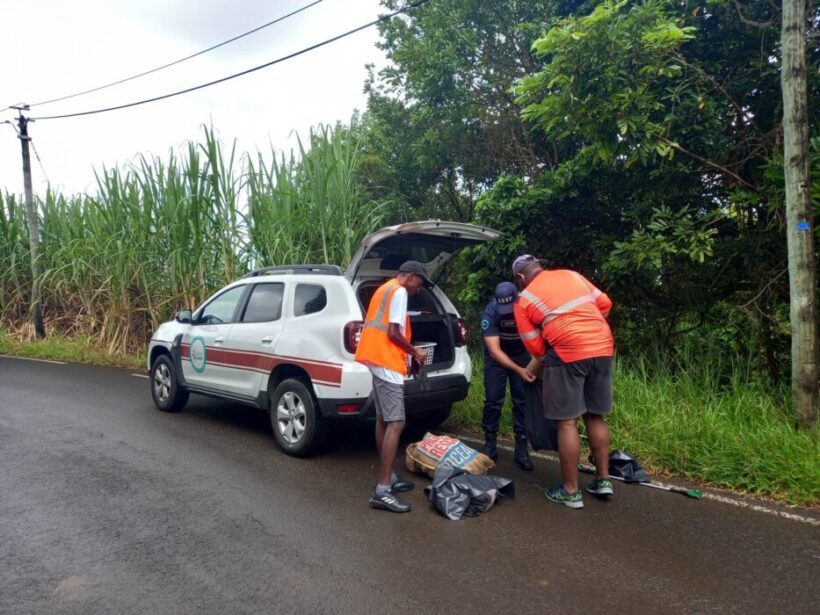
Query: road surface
{"points": [[110, 506]]}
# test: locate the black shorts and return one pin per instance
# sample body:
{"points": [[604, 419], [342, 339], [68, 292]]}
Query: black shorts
{"points": [[573, 389]]}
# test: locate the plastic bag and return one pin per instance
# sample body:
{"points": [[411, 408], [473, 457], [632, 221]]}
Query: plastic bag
{"points": [[625, 466], [456, 493], [541, 431]]}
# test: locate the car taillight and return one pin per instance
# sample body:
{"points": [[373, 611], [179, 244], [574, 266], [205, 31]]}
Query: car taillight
{"points": [[352, 335], [462, 330], [348, 408]]}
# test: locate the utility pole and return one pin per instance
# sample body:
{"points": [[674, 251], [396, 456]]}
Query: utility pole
{"points": [[799, 223], [33, 226]]}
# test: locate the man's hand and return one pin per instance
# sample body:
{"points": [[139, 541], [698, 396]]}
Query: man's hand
{"points": [[525, 374], [420, 356]]}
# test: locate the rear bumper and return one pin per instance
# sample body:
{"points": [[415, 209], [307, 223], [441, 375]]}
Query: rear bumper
{"points": [[441, 391]]}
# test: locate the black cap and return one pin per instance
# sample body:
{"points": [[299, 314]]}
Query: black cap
{"points": [[416, 268]]}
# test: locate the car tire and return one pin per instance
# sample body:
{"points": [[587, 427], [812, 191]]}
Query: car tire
{"points": [[168, 395], [297, 422]]}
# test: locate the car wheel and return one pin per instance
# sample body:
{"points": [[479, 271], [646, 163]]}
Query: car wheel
{"points": [[297, 423], [165, 389]]}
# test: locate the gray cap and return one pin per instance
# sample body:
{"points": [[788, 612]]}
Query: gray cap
{"points": [[416, 268], [522, 262]]}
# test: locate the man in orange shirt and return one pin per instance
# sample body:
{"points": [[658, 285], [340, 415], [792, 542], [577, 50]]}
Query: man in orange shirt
{"points": [[561, 318], [383, 347]]}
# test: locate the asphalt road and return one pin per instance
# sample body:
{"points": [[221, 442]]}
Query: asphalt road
{"points": [[110, 506]]}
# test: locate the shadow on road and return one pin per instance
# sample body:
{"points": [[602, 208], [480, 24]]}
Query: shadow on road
{"points": [[346, 436]]}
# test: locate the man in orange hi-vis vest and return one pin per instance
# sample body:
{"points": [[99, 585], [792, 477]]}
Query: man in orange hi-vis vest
{"points": [[561, 318], [383, 347]]}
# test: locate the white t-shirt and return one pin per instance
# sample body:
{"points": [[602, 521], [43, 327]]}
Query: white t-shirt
{"points": [[398, 315]]}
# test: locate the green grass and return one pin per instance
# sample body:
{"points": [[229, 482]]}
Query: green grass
{"points": [[728, 431], [79, 349]]}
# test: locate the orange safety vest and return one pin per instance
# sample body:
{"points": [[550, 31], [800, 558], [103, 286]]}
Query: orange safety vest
{"points": [[375, 347], [562, 315]]}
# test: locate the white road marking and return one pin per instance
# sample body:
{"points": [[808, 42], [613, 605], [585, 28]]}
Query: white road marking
{"points": [[140, 376], [8, 356], [706, 494]]}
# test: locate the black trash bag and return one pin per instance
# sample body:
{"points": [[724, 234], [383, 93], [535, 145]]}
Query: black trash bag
{"points": [[457, 493], [625, 466], [541, 431]]}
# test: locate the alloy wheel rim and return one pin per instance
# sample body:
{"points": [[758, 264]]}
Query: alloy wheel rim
{"points": [[291, 417], [162, 382]]}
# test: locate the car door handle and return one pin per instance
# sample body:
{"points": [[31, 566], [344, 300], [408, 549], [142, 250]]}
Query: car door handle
{"points": [[219, 340], [267, 340]]}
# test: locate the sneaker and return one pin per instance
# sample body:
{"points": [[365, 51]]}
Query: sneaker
{"points": [[388, 501], [559, 495], [601, 487], [400, 485]]}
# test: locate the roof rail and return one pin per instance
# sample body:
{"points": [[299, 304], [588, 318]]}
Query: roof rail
{"points": [[294, 269]]}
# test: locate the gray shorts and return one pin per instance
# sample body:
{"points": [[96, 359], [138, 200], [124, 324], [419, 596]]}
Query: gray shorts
{"points": [[389, 400], [573, 389]]}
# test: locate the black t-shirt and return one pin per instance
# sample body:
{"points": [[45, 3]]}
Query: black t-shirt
{"points": [[503, 326]]}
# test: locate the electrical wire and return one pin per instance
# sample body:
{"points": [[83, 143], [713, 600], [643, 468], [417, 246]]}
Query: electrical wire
{"points": [[175, 62], [39, 162], [242, 73]]}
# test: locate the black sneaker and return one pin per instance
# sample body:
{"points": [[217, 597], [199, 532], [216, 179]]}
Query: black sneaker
{"points": [[400, 485], [388, 501]]}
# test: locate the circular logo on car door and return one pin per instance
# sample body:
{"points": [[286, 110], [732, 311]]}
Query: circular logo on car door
{"points": [[198, 356]]}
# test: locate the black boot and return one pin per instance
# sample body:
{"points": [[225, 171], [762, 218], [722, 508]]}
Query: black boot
{"points": [[522, 455], [490, 446]]}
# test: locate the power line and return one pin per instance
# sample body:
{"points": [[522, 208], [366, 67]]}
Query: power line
{"points": [[242, 73], [175, 62]]}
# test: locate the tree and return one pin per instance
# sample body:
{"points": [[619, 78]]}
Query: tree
{"points": [[442, 114], [799, 218], [687, 91]]}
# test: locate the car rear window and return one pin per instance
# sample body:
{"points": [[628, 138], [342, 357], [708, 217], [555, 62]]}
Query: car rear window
{"points": [[309, 299], [265, 303]]}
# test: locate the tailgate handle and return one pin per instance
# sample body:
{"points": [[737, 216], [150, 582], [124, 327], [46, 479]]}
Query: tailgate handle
{"points": [[267, 340]]}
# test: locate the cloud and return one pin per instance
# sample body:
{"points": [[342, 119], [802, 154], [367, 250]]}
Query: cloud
{"points": [[66, 47]]}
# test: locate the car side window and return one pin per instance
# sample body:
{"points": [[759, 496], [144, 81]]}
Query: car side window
{"points": [[222, 308], [309, 299], [265, 303]]}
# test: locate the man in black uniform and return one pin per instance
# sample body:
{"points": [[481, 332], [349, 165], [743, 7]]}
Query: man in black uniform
{"points": [[505, 357]]}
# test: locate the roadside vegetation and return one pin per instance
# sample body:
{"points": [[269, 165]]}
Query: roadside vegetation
{"points": [[75, 349], [713, 422], [638, 143], [162, 234]]}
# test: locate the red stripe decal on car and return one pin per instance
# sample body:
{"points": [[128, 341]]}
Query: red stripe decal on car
{"points": [[323, 372]]}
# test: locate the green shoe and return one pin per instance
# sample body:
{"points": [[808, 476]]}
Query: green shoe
{"points": [[559, 495], [601, 487]]}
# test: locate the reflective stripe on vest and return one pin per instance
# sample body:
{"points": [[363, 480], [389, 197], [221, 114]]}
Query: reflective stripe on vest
{"points": [[377, 323], [569, 306], [550, 315], [535, 301]]}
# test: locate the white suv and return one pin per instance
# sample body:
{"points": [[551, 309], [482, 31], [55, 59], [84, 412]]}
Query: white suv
{"points": [[283, 338]]}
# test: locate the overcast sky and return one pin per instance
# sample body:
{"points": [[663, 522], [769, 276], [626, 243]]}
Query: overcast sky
{"points": [[51, 48]]}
